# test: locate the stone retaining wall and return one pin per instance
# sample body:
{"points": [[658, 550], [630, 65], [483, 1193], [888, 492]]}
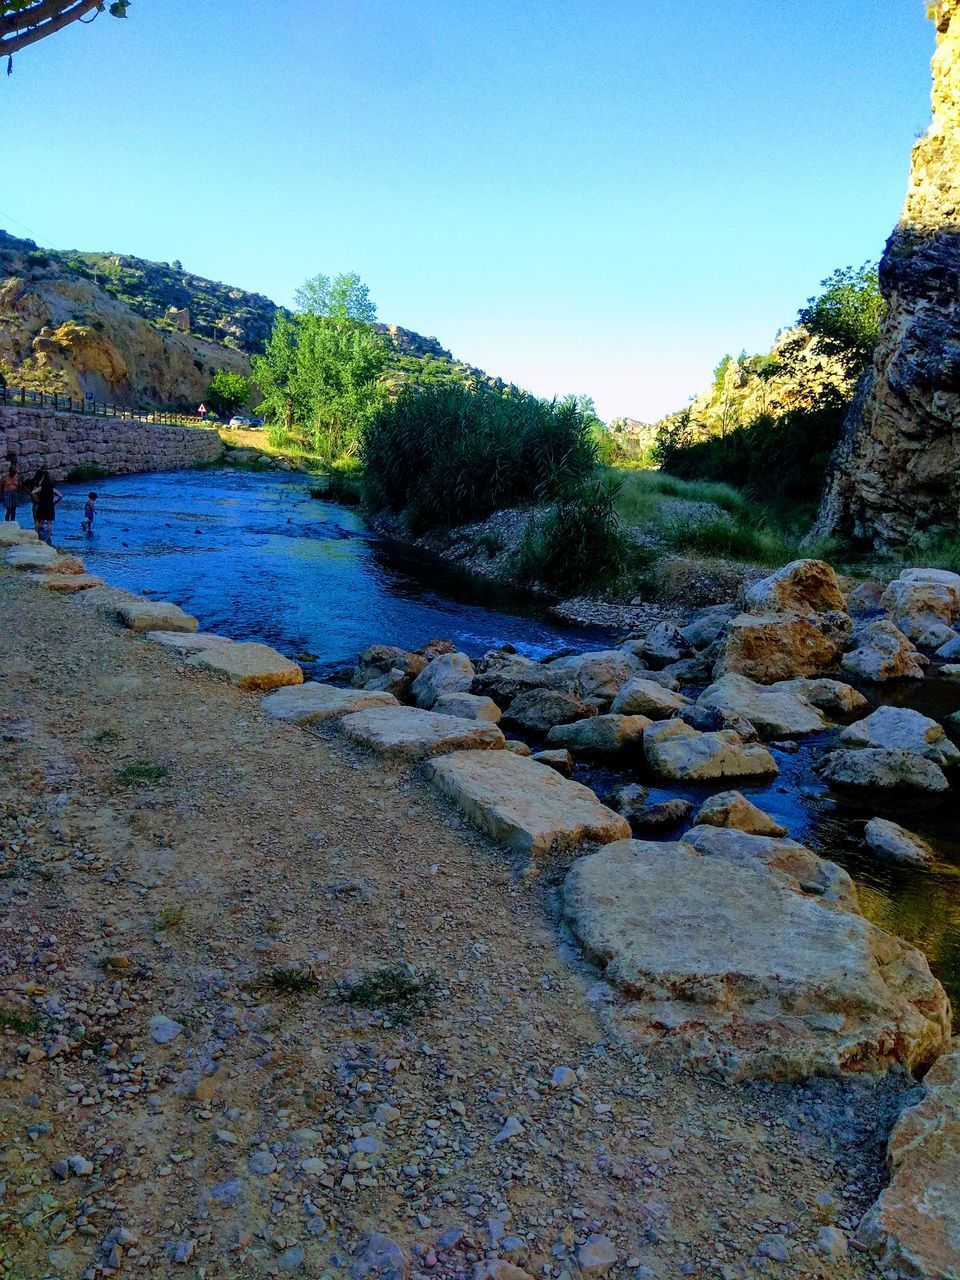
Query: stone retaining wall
{"points": [[62, 441]]}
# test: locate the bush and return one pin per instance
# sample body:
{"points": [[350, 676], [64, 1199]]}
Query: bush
{"points": [[578, 543], [447, 455]]}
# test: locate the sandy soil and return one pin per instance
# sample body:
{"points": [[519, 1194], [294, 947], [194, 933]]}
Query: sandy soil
{"points": [[274, 1133]]}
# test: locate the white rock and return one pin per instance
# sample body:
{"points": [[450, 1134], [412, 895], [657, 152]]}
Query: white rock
{"points": [[447, 673], [903, 729], [880, 651], [186, 641], [676, 751], [600, 735], [776, 710], [468, 706], [311, 702], [896, 844], [413, 733], [643, 697], [525, 805], [884, 769]]}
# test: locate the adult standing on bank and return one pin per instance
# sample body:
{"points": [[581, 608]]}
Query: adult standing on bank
{"points": [[45, 501], [9, 487]]}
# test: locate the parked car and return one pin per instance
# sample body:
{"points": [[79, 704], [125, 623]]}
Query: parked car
{"points": [[256, 422], [238, 421]]}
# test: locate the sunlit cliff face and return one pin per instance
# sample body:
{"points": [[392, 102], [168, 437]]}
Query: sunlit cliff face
{"points": [[896, 473]]}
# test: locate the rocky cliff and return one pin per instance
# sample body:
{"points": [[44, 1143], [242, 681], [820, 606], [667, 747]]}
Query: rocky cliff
{"points": [[896, 472]]}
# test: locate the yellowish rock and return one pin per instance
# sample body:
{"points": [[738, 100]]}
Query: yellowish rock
{"points": [[248, 665]]}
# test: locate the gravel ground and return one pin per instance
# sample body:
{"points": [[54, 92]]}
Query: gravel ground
{"points": [[165, 1110]]}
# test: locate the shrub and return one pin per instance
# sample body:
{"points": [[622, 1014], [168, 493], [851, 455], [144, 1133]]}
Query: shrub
{"points": [[87, 471], [398, 992], [293, 981], [144, 771], [447, 454], [578, 543]]}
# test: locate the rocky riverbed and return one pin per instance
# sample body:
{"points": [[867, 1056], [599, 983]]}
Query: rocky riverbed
{"points": [[177, 850]]}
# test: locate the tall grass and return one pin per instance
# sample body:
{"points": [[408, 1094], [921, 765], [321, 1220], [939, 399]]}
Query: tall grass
{"points": [[730, 538], [578, 543], [446, 455], [641, 495]]}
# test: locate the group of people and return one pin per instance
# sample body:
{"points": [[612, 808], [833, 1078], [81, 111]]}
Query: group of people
{"points": [[44, 497]]}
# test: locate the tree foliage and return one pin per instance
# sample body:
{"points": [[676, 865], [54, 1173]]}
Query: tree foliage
{"points": [[848, 313], [228, 393], [322, 367]]}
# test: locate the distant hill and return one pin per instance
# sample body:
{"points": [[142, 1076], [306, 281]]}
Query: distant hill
{"points": [[150, 334]]}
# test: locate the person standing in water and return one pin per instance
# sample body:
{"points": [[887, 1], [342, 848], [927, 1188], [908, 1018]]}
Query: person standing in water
{"points": [[89, 511], [46, 499], [9, 487]]}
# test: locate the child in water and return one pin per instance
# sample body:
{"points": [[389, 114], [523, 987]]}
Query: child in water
{"points": [[89, 511]]}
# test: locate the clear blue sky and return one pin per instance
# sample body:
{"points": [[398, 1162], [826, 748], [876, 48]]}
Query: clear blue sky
{"points": [[598, 196]]}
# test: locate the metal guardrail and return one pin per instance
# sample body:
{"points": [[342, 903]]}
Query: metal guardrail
{"points": [[23, 398]]}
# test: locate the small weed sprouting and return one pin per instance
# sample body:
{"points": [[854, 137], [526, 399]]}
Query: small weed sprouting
{"points": [[294, 981], [143, 771], [170, 917], [395, 990], [25, 1024]]}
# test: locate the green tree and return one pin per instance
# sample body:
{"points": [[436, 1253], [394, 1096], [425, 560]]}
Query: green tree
{"points": [[344, 297], [847, 314], [228, 392], [322, 368]]}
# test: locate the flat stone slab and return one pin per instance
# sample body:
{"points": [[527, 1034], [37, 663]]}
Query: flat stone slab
{"points": [[154, 615], [39, 557], [414, 733], [248, 665], [187, 641], [312, 702], [67, 582], [523, 804], [731, 970], [11, 533]]}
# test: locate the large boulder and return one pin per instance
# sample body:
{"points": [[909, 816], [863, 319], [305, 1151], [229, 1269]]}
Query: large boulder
{"points": [[411, 733], [737, 973], [504, 676], [680, 753], [665, 643], [801, 868], [775, 711], [779, 646], [598, 676], [731, 809], [923, 609], [249, 666], [880, 651], [903, 729], [643, 697], [913, 1229], [894, 843], [600, 735], [538, 710], [883, 769], [446, 673], [523, 804], [803, 586]]}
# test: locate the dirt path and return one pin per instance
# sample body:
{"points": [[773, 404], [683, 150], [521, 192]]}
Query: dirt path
{"points": [[274, 1133]]}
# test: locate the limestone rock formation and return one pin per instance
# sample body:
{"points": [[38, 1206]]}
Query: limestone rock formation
{"points": [[896, 471]]}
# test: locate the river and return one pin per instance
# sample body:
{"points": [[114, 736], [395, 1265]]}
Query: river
{"points": [[255, 557]]}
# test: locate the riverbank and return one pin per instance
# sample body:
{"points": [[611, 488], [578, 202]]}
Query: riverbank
{"points": [[169, 849]]}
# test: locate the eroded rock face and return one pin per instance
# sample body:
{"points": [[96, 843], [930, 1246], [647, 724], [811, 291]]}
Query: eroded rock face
{"points": [[896, 471], [913, 1229], [734, 971]]}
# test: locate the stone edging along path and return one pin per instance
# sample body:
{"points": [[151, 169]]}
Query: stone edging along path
{"points": [[532, 809]]}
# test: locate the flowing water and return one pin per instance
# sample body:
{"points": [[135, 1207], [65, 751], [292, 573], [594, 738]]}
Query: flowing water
{"points": [[254, 556]]}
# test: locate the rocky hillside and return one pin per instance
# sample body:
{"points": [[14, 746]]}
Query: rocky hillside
{"points": [[896, 472], [149, 333]]}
